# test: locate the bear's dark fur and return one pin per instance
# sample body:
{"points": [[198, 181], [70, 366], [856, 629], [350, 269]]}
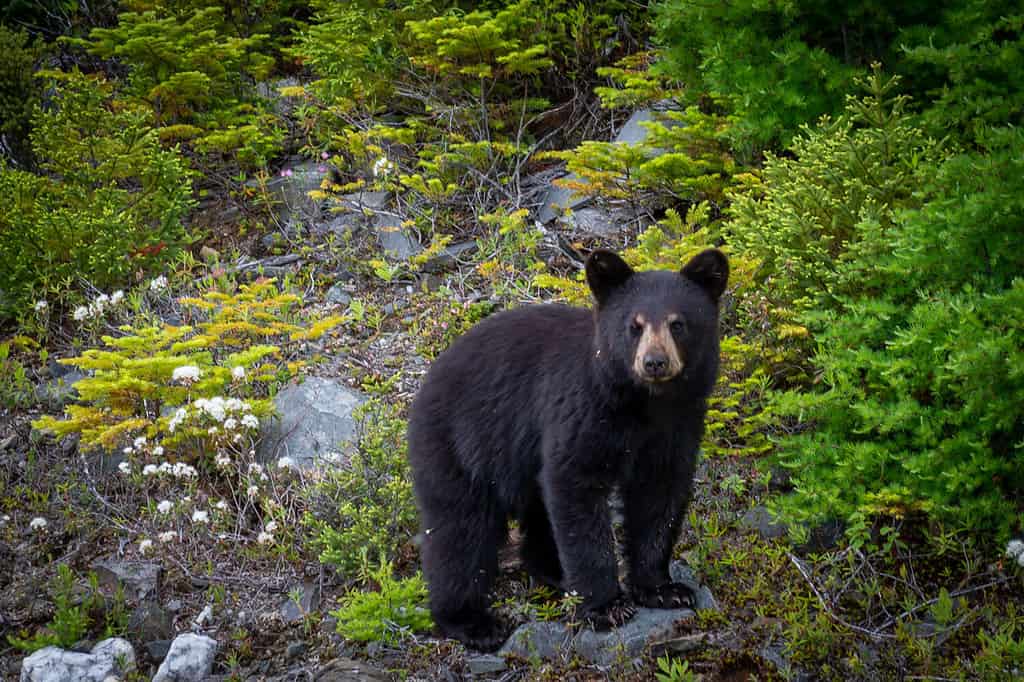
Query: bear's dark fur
{"points": [[538, 414]]}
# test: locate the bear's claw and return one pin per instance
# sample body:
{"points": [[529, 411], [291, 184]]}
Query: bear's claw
{"points": [[612, 615], [667, 596]]}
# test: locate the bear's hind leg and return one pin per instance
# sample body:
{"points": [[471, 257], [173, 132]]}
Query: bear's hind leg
{"points": [[539, 552], [460, 560]]}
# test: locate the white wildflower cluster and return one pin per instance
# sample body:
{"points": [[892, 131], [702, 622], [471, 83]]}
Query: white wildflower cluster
{"points": [[200, 516], [177, 470], [158, 284], [38, 523], [186, 374], [94, 309], [230, 414], [145, 546], [383, 167], [238, 373], [167, 536], [125, 468], [266, 536], [165, 506], [286, 463], [1015, 550], [41, 307], [179, 416], [258, 471]]}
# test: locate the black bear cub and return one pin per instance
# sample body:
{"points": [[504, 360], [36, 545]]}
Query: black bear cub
{"points": [[538, 413]]}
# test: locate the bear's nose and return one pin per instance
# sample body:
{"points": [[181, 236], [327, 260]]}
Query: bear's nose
{"points": [[655, 364]]}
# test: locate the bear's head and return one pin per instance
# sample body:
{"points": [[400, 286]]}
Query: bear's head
{"points": [[659, 328]]}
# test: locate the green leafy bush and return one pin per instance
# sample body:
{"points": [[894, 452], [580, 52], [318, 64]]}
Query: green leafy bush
{"points": [[19, 93], [778, 65], [904, 263], [395, 607], [109, 202], [16, 389], [827, 210], [159, 381], [372, 508], [196, 74]]}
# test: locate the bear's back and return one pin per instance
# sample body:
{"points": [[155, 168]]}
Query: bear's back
{"points": [[486, 398]]}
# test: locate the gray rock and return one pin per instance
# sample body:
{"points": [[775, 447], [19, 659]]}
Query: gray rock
{"points": [[57, 370], [781, 480], [683, 644], [111, 657], [349, 670], [485, 664], [632, 132], [761, 521], [140, 579], [449, 256], [295, 649], [393, 239], [271, 91], [703, 600], [59, 391], [648, 627], [309, 601], [315, 419], [605, 222], [558, 199], [190, 659], [338, 295], [341, 224], [775, 654], [824, 537], [157, 649], [371, 201], [150, 621], [548, 640], [290, 191]]}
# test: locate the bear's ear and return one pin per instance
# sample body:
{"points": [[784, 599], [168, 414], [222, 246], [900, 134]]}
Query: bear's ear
{"points": [[710, 270], [605, 273]]}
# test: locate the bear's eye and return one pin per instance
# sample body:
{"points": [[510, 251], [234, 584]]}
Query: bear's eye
{"points": [[677, 326], [636, 328]]}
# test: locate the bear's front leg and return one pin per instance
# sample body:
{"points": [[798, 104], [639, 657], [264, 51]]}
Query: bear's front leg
{"points": [[655, 502], [582, 529]]}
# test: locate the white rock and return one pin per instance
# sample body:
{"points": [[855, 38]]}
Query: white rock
{"points": [[190, 659], [110, 658]]}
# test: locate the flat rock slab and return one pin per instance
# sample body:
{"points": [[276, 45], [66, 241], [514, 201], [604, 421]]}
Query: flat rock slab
{"points": [[648, 626], [549, 640], [559, 198], [393, 238], [140, 579], [291, 188], [111, 657], [315, 420], [349, 670], [605, 222], [758, 519], [59, 391]]}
